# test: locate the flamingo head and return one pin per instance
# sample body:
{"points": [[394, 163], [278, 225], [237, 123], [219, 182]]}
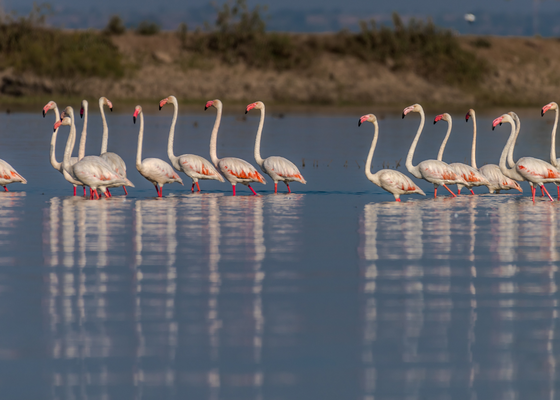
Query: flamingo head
{"points": [[49, 106], [367, 118], [63, 121], [549, 106], [258, 105], [470, 113], [169, 99], [502, 119], [104, 101], [445, 117], [414, 107], [213, 103], [137, 110], [83, 108]]}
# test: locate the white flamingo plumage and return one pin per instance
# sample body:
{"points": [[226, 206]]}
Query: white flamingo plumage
{"points": [[278, 168], [553, 160], [434, 171], [153, 169], [529, 169], [113, 159], [392, 181], [471, 175], [234, 169], [195, 167], [496, 180], [9, 175], [90, 171]]}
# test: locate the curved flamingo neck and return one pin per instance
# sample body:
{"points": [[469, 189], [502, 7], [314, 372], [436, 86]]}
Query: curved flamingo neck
{"points": [[214, 137], [56, 165], [473, 148], [414, 170], [258, 157], [171, 138], [553, 140], [370, 176], [140, 140], [105, 139], [445, 139], [70, 142], [510, 161], [510, 173], [83, 136]]}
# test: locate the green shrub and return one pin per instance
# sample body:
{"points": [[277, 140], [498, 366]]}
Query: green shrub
{"points": [[115, 26], [148, 28]]}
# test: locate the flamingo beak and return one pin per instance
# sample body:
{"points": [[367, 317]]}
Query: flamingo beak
{"points": [[407, 110], [110, 105], [57, 125], [250, 107], [362, 119], [82, 112], [545, 109], [162, 103], [438, 118], [496, 122], [467, 117], [136, 112], [45, 110], [209, 104]]}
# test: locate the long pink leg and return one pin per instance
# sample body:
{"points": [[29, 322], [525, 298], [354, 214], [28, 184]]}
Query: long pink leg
{"points": [[449, 190], [106, 195], [198, 187], [459, 191], [90, 194], [157, 190], [74, 190], [108, 191], [85, 192], [398, 200], [435, 192], [252, 190], [233, 187], [548, 194], [471, 191], [192, 187], [275, 187], [6, 189], [125, 192], [542, 191], [558, 187], [161, 191], [288, 185], [533, 190]]}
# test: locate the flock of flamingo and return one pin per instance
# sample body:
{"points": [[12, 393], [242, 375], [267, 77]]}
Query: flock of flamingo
{"points": [[108, 170]]}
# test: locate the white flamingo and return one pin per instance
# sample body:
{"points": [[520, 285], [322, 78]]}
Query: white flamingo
{"points": [[153, 169], [433, 171], [234, 169], [529, 169], [90, 171], [497, 180], [195, 167], [553, 160], [392, 181], [113, 159], [471, 175], [278, 168]]}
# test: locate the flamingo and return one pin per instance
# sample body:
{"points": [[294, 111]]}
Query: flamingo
{"points": [[390, 180], [553, 160], [433, 171], [497, 180], [195, 167], [278, 168], [529, 169], [90, 171], [113, 159], [234, 169], [153, 169], [471, 175]]}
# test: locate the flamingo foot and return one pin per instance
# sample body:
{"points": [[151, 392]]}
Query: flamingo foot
{"points": [[74, 190], [233, 187], [275, 187], [548, 194], [197, 187], [252, 190], [288, 186], [449, 190], [125, 192], [471, 191], [6, 189]]}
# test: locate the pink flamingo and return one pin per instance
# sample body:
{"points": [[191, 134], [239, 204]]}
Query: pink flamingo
{"points": [[153, 169], [433, 171], [278, 168], [471, 175], [195, 167], [392, 181], [90, 171], [113, 159], [234, 169], [497, 180], [529, 169], [553, 160]]}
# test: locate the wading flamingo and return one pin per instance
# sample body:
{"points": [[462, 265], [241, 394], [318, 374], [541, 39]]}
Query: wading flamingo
{"points": [[51, 105], [553, 160], [234, 169], [497, 180], [90, 171], [278, 168], [113, 159], [529, 169], [195, 167], [153, 169], [392, 181], [471, 175], [433, 171]]}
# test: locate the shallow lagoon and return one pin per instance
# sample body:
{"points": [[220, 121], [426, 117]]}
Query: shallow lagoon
{"points": [[334, 291]]}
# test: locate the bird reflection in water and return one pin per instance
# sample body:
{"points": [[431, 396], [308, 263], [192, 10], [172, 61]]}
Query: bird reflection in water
{"points": [[11, 206]]}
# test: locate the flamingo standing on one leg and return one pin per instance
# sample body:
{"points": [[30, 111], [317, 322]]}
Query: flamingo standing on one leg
{"points": [[278, 168], [553, 160], [113, 159], [471, 175], [195, 167], [234, 169], [497, 180], [433, 171], [392, 181], [90, 171], [529, 169], [153, 169]]}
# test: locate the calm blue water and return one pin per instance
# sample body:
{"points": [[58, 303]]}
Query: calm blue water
{"points": [[332, 292]]}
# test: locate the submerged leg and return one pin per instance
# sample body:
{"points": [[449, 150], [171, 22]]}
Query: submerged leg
{"points": [[533, 190], [435, 191], [275, 187], [106, 195], [542, 191], [288, 186], [449, 190], [90, 194], [471, 191], [548, 194], [157, 190], [558, 187], [74, 190], [161, 191], [399, 200], [252, 190], [233, 187], [192, 187], [125, 192], [197, 187], [6, 189], [107, 191], [85, 192]]}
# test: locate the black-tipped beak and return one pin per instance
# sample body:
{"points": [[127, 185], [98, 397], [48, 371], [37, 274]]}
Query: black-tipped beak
{"points": [[133, 119], [493, 127], [245, 111], [466, 119], [160, 108], [542, 113], [359, 122], [44, 113], [54, 129], [111, 109], [403, 115], [435, 121], [206, 108]]}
